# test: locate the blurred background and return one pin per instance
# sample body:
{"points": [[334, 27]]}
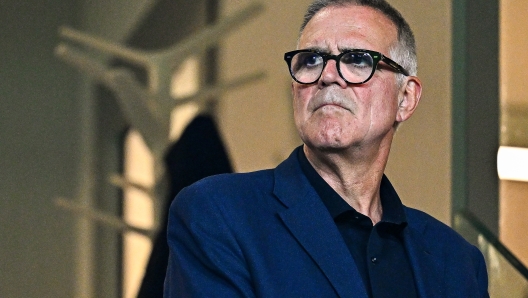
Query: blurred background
{"points": [[94, 112]]}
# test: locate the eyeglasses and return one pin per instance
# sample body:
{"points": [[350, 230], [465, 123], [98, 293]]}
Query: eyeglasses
{"points": [[354, 66]]}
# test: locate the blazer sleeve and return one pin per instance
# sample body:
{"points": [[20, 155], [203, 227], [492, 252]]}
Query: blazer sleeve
{"points": [[205, 259], [482, 273]]}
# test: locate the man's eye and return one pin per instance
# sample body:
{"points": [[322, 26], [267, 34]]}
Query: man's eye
{"points": [[358, 60], [311, 60]]}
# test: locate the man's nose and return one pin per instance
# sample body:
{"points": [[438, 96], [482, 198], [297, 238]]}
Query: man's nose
{"points": [[330, 75]]}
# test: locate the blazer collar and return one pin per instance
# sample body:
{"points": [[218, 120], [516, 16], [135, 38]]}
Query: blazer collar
{"points": [[311, 224], [426, 259]]}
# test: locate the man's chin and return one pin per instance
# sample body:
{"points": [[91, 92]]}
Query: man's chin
{"points": [[326, 147]]}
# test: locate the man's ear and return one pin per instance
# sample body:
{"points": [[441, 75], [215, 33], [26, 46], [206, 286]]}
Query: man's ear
{"points": [[409, 97]]}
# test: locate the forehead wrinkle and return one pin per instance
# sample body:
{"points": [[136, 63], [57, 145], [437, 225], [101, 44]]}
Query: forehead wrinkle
{"points": [[324, 29]]}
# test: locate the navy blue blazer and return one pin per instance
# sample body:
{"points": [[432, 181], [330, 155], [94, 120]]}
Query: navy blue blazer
{"points": [[268, 234]]}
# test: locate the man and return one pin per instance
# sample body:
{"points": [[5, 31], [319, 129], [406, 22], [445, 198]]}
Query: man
{"points": [[326, 222]]}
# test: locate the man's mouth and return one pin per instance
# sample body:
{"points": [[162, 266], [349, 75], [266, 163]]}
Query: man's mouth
{"points": [[330, 105]]}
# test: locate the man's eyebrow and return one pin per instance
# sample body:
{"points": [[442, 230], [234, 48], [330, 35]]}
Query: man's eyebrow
{"points": [[318, 49], [326, 51], [344, 49]]}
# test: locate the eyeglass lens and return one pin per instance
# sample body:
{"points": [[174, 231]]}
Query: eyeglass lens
{"points": [[355, 67]]}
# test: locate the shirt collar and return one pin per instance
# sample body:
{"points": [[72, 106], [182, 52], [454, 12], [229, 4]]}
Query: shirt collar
{"points": [[393, 211]]}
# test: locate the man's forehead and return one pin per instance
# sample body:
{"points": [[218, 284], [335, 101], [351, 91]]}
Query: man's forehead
{"points": [[352, 11], [348, 27]]}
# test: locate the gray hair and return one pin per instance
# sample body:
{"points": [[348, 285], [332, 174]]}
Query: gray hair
{"points": [[403, 52]]}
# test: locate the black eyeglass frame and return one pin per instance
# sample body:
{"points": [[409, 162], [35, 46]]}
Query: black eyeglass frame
{"points": [[376, 58]]}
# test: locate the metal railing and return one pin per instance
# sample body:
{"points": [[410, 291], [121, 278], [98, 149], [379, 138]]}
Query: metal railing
{"points": [[507, 276]]}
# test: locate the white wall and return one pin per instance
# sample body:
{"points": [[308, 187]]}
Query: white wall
{"points": [[420, 162], [256, 120], [41, 104], [38, 151], [514, 120]]}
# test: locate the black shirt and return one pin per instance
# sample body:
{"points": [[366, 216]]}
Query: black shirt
{"points": [[378, 251]]}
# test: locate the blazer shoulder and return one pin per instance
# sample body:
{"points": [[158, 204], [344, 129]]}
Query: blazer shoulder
{"points": [[464, 264], [434, 229], [441, 237], [224, 189], [233, 182]]}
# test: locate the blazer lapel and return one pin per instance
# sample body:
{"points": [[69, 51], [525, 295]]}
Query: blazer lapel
{"points": [[310, 223], [426, 261]]}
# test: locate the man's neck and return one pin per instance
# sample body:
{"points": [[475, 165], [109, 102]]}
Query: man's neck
{"points": [[354, 175]]}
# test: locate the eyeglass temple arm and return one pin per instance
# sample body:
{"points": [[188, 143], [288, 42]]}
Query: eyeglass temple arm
{"points": [[394, 65]]}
